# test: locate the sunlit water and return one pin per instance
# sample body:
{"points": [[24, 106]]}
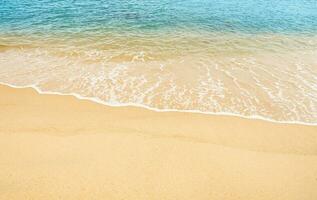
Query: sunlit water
{"points": [[254, 58]]}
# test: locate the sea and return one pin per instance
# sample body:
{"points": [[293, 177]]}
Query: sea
{"points": [[247, 58]]}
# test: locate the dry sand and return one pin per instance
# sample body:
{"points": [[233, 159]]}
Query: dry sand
{"points": [[59, 147]]}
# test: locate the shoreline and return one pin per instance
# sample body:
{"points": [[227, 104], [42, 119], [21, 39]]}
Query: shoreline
{"points": [[96, 100], [59, 147], [224, 130]]}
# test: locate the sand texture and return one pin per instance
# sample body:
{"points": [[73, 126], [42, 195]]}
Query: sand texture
{"points": [[59, 147]]}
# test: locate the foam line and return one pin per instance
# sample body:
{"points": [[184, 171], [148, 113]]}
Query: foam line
{"points": [[97, 100]]}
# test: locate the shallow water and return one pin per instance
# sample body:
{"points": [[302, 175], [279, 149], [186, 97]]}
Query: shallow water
{"points": [[252, 58]]}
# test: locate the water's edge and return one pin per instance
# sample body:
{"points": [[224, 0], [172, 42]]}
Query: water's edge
{"points": [[97, 100]]}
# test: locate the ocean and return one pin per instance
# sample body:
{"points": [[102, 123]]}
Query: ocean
{"points": [[248, 58]]}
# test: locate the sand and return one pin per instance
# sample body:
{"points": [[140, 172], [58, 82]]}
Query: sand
{"points": [[60, 147]]}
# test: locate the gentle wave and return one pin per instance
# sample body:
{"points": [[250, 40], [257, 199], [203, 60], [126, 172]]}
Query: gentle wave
{"points": [[280, 84], [96, 100]]}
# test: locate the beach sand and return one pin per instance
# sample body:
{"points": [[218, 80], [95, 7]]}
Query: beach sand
{"points": [[60, 147]]}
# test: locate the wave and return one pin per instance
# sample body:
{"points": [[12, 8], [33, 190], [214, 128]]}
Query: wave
{"points": [[263, 76], [99, 101]]}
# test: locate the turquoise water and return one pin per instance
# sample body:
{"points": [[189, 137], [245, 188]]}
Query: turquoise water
{"points": [[253, 16], [252, 58]]}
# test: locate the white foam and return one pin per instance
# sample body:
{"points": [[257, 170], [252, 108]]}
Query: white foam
{"points": [[249, 86], [99, 101]]}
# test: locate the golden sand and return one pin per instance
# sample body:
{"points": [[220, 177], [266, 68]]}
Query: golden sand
{"points": [[59, 147]]}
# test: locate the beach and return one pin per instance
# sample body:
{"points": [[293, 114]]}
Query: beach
{"points": [[158, 100], [60, 147]]}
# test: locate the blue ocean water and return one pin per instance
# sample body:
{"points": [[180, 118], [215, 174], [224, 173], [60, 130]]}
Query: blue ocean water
{"points": [[42, 16]]}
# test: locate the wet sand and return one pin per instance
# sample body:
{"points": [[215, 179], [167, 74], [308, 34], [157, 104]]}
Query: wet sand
{"points": [[59, 147]]}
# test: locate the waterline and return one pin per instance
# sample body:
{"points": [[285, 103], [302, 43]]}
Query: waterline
{"points": [[96, 100]]}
